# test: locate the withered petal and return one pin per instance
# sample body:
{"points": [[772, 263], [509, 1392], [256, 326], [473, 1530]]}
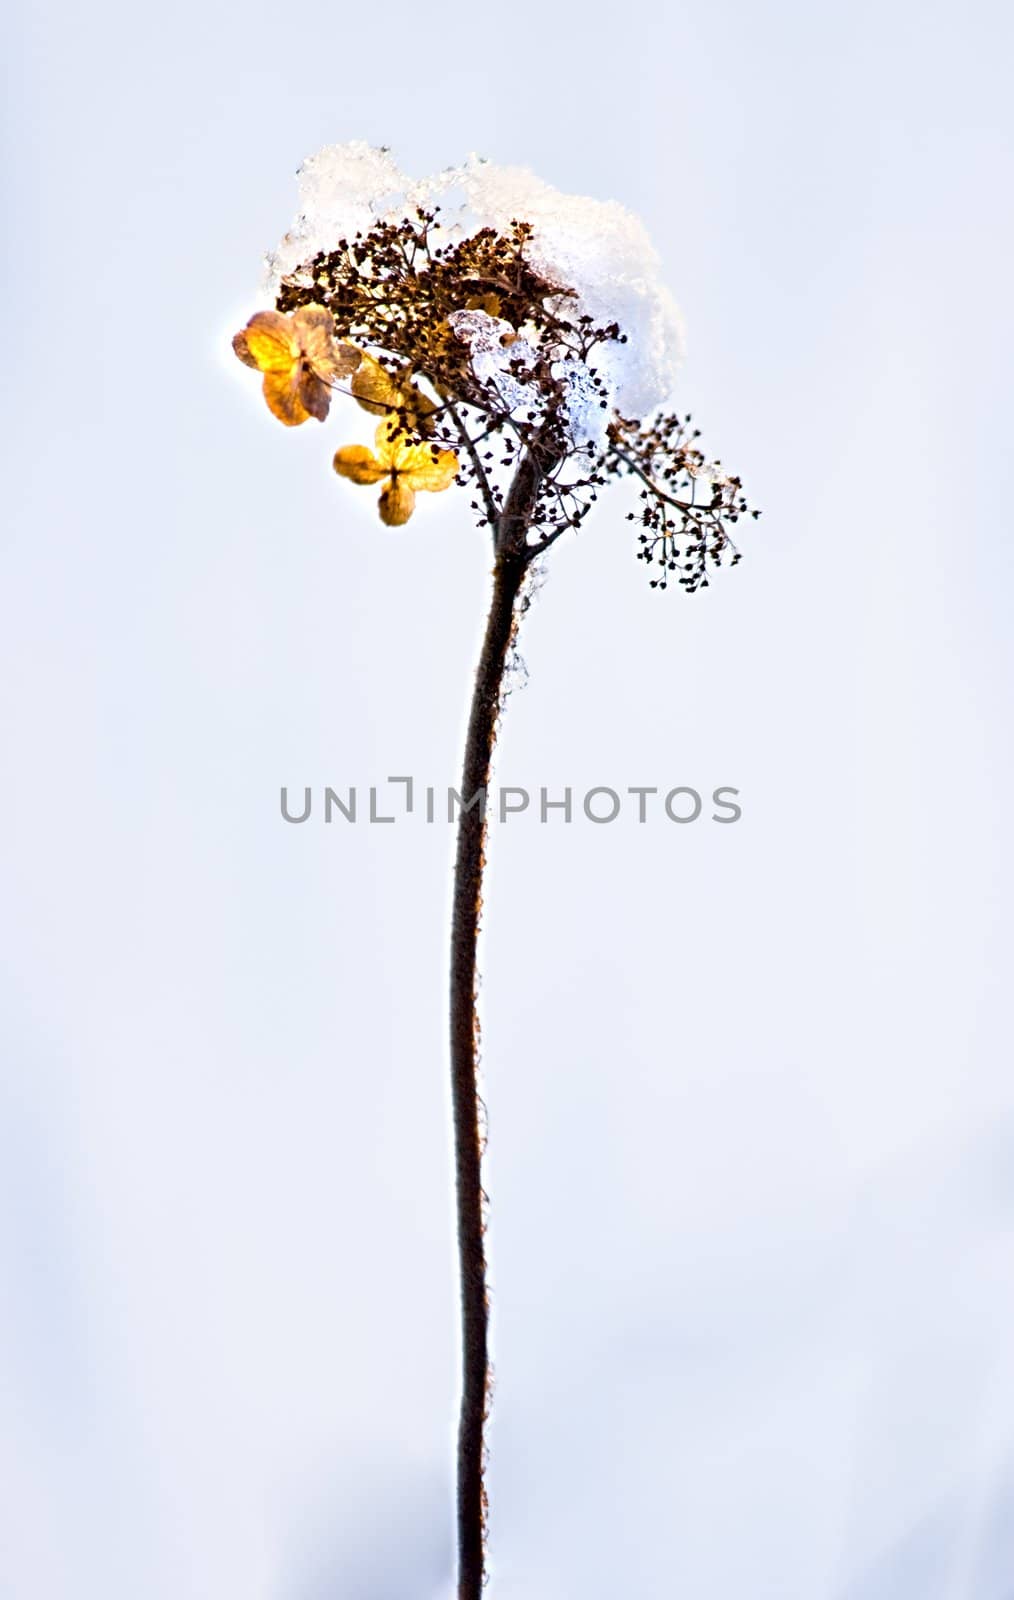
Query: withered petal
{"points": [[312, 322], [397, 503], [267, 342], [374, 387], [313, 326], [357, 462], [426, 468], [282, 393], [345, 359], [314, 393]]}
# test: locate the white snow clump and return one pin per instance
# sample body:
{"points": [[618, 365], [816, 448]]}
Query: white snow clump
{"points": [[596, 248]]}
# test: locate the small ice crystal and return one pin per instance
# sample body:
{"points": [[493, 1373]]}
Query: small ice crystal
{"points": [[499, 357], [588, 403]]}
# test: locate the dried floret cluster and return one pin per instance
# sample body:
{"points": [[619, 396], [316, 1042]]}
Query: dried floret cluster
{"points": [[480, 370], [688, 502]]}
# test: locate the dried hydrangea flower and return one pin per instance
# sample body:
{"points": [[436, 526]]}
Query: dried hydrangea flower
{"points": [[408, 465], [299, 358]]}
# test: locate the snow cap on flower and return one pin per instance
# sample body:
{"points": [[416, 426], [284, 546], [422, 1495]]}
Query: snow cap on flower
{"points": [[595, 248], [343, 190], [603, 252]]}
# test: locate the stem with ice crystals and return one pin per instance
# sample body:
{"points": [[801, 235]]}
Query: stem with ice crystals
{"points": [[512, 558]]}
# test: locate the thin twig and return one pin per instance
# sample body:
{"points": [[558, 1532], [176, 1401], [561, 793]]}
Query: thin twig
{"points": [[681, 505], [481, 478]]}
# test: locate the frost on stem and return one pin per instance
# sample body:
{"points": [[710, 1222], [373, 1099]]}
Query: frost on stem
{"points": [[498, 324]]}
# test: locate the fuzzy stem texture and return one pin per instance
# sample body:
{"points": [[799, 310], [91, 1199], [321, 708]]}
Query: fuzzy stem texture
{"points": [[512, 558]]}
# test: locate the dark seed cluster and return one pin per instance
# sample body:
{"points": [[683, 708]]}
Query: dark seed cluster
{"points": [[688, 503]]}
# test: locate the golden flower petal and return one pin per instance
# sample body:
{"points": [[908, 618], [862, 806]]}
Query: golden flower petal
{"points": [[310, 323], [382, 393], [357, 461], [391, 443], [267, 343], [345, 359], [314, 393], [419, 407], [374, 387], [283, 392], [423, 466], [313, 326], [397, 503]]}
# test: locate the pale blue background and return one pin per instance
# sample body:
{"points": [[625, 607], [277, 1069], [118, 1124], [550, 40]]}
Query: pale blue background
{"points": [[752, 1116]]}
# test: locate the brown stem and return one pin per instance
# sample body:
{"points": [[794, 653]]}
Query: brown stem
{"points": [[511, 561]]}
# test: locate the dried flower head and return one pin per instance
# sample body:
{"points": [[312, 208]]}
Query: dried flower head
{"points": [[491, 342], [299, 358], [407, 467]]}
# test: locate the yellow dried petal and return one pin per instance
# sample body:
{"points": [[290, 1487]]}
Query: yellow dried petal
{"points": [[374, 387], [267, 343], [420, 406], [314, 393], [423, 466], [312, 322], [391, 443], [283, 393], [313, 327], [357, 462], [382, 394], [346, 359], [397, 503]]}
